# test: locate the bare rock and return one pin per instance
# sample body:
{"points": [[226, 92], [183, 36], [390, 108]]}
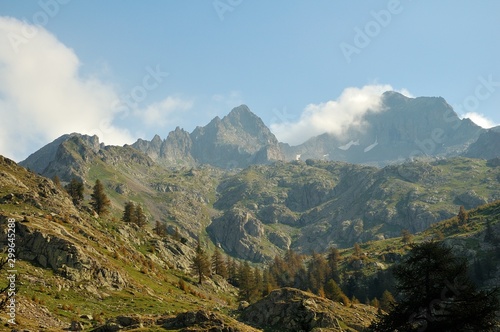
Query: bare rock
{"points": [[289, 309]]}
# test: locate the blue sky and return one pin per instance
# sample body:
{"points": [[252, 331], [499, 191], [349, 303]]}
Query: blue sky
{"points": [[130, 69]]}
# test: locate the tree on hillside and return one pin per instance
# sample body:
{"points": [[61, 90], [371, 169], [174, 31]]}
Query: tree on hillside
{"points": [[437, 295], [463, 215], [246, 281], [333, 259], [160, 228], [406, 236], [357, 250], [317, 271], [57, 181], [387, 301], [75, 191], [100, 201], [140, 216], [129, 212], [200, 264], [333, 292], [218, 264]]}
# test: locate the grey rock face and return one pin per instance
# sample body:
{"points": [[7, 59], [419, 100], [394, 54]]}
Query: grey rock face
{"points": [[289, 309], [238, 140], [487, 145], [239, 233], [407, 128]]}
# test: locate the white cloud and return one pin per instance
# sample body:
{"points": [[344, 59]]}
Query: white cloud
{"points": [[43, 95], [479, 119], [160, 114], [335, 116]]}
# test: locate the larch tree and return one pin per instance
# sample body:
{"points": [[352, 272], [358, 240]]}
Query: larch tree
{"points": [[140, 217], [333, 259], [463, 215], [218, 264], [200, 264], [129, 212], [100, 201], [75, 191]]}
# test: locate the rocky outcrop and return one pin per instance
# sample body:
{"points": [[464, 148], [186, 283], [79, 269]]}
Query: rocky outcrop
{"points": [[203, 320], [190, 321], [290, 309], [65, 258], [240, 234], [470, 199]]}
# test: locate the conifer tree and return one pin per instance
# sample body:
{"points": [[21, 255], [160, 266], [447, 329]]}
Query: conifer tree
{"points": [[406, 236], [99, 202], [375, 303], [232, 271], [269, 284], [333, 259], [387, 301], [317, 271], [357, 250], [57, 181], [246, 281], [463, 215], [200, 264], [140, 217], [333, 291], [129, 212], [160, 228], [75, 191], [218, 264], [258, 285]]}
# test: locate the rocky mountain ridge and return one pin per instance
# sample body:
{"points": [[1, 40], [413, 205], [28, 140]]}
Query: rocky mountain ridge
{"points": [[407, 128], [237, 140]]}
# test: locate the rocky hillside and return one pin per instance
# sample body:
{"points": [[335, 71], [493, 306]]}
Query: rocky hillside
{"points": [[313, 205], [73, 266], [237, 140]]}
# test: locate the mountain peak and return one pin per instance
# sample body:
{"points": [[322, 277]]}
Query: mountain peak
{"points": [[242, 109]]}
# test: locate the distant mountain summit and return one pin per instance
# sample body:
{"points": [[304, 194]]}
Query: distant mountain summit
{"points": [[238, 140], [404, 129], [487, 145]]}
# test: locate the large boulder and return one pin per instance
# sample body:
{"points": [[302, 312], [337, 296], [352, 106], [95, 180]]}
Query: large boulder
{"points": [[289, 309]]}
